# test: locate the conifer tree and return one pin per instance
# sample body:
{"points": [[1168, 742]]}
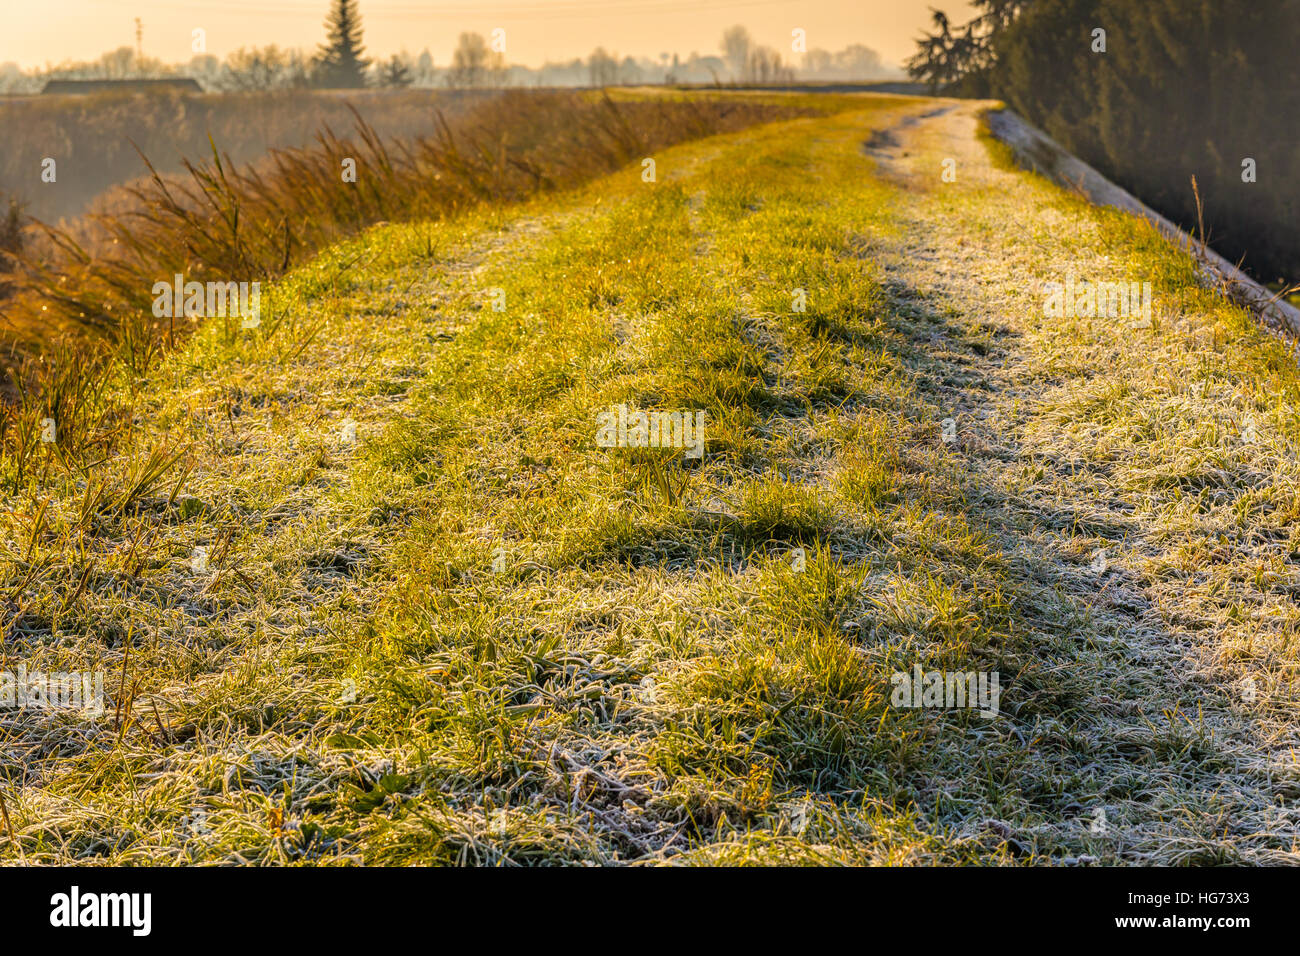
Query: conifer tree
{"points": [[342, 63], [1153, 94]]}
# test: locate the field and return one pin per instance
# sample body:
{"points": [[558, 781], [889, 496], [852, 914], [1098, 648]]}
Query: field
{"points": [[364, 587]]}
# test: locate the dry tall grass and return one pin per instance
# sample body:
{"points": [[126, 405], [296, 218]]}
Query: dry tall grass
{"points": [[89, 285], [94, 138]]}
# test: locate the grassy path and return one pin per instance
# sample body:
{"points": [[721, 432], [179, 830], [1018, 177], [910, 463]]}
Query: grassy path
{"points": [[472, 635], [1116, 469]]}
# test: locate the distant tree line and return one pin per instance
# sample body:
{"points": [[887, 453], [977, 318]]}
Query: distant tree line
{"points": [[1168, 90], [341, 63]]}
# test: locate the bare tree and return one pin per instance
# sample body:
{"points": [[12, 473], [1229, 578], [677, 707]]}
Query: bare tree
{"points": [[736, 46], [120, 63], [469, 64], [602, 68], [817, 62], [424, 68], [253, 69], [766, 66]]}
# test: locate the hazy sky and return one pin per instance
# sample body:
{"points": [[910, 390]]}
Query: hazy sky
{"points": [[37, 32]]}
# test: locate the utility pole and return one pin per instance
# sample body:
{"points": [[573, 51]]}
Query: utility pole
{"points": [[139, 43]]}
